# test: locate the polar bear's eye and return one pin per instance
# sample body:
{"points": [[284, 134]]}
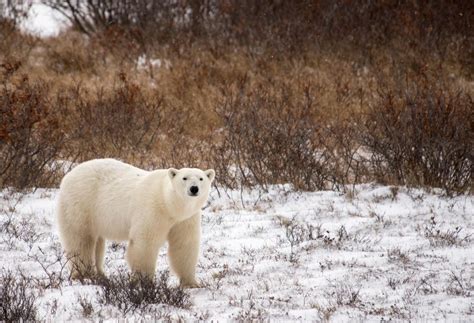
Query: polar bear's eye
{"points": [[185, 178], [200, 178]]}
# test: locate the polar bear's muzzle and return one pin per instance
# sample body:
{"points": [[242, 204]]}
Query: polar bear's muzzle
{"points": [[193, 191]]}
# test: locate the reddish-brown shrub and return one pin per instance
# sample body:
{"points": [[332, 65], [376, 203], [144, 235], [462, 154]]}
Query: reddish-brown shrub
{"points": [[422, 136], [30, 134], [13, 44], [122, 123], [270, 139], [269, 130]]}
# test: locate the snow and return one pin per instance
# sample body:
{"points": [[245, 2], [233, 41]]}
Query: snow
{"points": [[143, 62], [368, 257], [43, 21]]}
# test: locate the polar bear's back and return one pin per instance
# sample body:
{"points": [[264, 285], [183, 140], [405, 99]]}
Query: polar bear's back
{"points": [[106, 168], [95, 197], [95, 175]]}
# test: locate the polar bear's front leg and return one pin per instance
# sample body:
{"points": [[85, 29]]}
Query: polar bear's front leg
{"points": [[184, 239], [141, 256], [142, 250]]}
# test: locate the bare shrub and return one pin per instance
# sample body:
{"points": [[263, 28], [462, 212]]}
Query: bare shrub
{"points": [[397, 255], [131, 293], [250, 310], [393, 282], [54, 268], [458, 284], [297, 233], [270, 138], [30, 135], [86, 306], [269, 129], [14, 45], [337, 240], [219, 276], [343, 294], [425, 285], [422, 136], [72, 54], [19, 229], [325, 311], [123, 43], [348, 29], [123, 123], [17, 298], [444, 238], [8, 220], [347, 164], [92, 16]]}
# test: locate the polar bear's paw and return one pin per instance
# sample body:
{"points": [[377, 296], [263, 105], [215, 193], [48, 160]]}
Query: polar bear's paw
{"points": [[191, 283]]}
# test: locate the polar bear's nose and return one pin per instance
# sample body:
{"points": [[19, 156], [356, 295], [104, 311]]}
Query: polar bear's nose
{"points": [[194, 190]]}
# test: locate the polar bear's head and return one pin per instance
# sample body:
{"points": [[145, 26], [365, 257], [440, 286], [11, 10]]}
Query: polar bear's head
{"points": [[191, 182]]}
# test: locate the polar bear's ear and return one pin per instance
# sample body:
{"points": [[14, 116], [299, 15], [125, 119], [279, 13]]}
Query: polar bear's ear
{"points": [[172, 172], [210, 173]]}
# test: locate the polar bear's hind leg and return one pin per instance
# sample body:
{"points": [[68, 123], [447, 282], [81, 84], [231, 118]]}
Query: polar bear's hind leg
{"points": [[76, 240], [81, 256], [99, 255]]}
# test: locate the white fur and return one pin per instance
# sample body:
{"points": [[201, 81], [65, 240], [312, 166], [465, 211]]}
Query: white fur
{"points": [[105, 199]]}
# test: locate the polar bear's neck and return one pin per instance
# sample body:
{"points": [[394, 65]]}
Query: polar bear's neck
{"points": [[182, 208], [177, 207]]}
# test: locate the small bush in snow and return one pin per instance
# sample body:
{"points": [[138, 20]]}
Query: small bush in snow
{"points": [[442, 238], [131, 293], [86, 306], [18, 298], [397, 255], [343, 294], [459, 285]]}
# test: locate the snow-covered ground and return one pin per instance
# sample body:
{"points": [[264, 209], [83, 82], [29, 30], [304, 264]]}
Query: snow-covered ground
{"points": [[375, 254]]}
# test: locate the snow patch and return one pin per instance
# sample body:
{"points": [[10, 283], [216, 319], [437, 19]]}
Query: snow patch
{"points": [[143, 62], [285, 256], [43, 21]]}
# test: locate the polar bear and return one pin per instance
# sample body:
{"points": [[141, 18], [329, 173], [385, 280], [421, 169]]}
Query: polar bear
{"points": [[105, 199]]}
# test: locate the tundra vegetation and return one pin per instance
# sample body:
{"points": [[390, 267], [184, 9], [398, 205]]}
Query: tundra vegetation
{"points": [[282, 98]]}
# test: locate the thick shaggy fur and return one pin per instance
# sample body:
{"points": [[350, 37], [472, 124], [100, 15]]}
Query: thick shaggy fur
{"points": [[105, 199]]}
